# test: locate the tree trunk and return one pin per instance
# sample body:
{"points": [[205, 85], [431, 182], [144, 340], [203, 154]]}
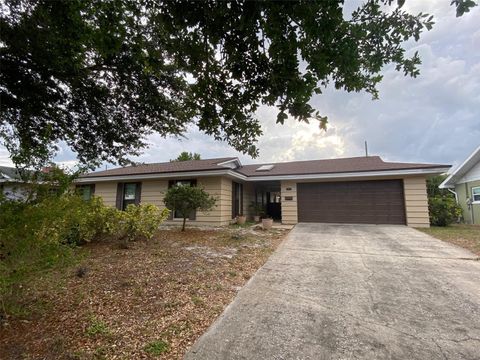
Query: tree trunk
{"points": [[184, 221]]}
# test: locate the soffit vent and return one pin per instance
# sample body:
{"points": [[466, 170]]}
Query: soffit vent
{"points": [[265, 168]]}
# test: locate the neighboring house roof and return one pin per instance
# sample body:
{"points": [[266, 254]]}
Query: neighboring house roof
{"points": [[458, 175], [9, 174], [372, 165]]}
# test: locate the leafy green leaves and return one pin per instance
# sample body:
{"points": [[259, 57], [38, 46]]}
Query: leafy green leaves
{"points": [[463, 6], [186, 156], [187, 199], [101, 76]]}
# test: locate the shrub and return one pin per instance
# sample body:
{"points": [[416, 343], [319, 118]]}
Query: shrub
{"points": [[137, 221], [443, 210], [42, 234]]}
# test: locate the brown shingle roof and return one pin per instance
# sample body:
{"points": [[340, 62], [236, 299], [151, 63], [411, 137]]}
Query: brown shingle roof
{"points": [[355, 164], [345, 165], [166, 167]]}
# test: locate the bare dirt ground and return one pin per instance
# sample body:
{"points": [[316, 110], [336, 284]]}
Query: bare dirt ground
{"points": [[152, 300]]}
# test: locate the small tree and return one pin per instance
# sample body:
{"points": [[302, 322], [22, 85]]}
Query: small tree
{"points": [[186, 199], [186, 156], [442, 206]]}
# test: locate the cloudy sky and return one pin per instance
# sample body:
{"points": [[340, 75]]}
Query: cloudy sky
{"points": [[433, 118]]}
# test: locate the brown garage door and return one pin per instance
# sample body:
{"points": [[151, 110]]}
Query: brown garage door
{"points": [[356, 202]]}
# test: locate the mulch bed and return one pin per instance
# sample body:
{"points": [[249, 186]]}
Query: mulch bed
{"points": [[152, 300]]}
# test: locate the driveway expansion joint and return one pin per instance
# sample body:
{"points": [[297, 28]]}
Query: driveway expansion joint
{"points": [[385, 254]]}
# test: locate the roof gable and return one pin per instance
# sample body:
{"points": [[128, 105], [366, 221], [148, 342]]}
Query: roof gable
{"points": [[469, 170]]}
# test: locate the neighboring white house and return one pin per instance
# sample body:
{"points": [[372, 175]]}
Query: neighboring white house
{"points": [[11, 184], [465, 182]]}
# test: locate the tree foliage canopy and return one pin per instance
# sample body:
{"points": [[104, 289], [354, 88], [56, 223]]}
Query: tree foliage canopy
{"points": [[102, 75], [186, 156]]}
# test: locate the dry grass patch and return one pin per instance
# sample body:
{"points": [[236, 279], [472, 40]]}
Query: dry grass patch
{"points": [[466, 236], [152, 300]]}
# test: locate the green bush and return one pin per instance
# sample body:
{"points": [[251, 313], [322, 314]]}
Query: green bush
{"points": [[42, 234], [136, 221], [443, 210]]}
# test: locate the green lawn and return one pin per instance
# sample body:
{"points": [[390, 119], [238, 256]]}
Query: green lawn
{"points": [[466, 236]]}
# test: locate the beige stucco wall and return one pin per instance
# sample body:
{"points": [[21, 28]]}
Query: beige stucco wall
{"points": [[107, 191], [153, 192], [213, 186], [226, 201], [416, 202], [289, 207]]}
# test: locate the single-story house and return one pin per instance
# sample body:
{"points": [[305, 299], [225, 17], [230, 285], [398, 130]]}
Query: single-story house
{"points": [[464, 182], [11, 184], [349, 190]]}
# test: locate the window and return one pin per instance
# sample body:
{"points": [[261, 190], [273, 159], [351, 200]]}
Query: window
{"points": [[275, 197], [129, 194], [86, 191], [476, 194], [183, 182]]}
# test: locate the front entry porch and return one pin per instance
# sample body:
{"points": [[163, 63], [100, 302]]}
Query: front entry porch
{"points": [[268, 198]]}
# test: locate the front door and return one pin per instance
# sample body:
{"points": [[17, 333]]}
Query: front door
{"points": [[274, 208]]}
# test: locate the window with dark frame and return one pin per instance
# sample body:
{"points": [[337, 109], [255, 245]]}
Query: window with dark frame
{"points": [[476, 194], [86, 191], [129, 194]]}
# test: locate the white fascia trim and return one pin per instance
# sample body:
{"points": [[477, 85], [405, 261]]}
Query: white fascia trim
{"points": [[237, 175], [446, 182], [430, 171], [445, 185], [176, 175]]}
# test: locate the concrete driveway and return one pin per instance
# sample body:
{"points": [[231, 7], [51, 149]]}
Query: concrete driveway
{"points": [[353, 292]]}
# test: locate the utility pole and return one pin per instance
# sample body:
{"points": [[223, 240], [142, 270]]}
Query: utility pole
{"points": [[366, 148]]}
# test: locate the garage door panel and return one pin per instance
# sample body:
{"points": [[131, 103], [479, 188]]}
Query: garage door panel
{"points": [[365, 202]]}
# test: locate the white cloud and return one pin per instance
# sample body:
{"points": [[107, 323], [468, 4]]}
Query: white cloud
{"points": [[5, 158]]}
